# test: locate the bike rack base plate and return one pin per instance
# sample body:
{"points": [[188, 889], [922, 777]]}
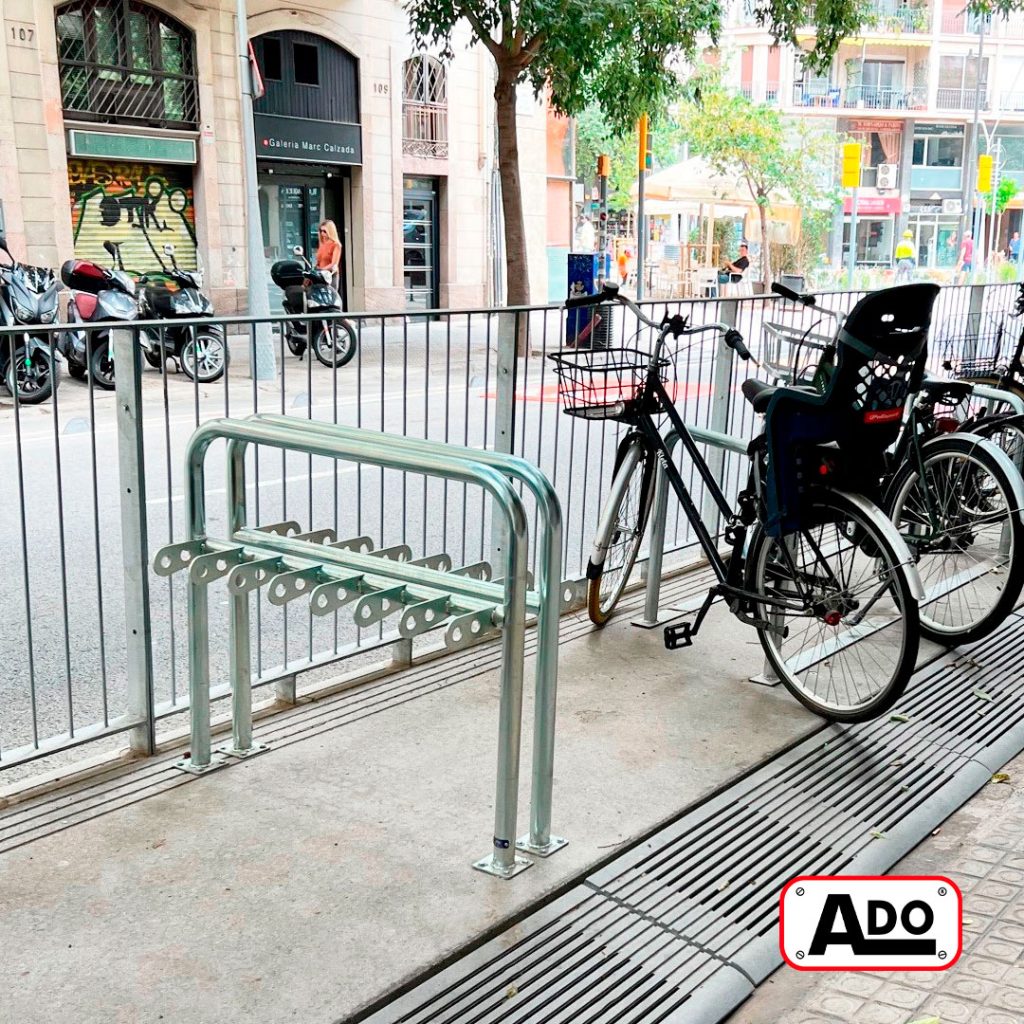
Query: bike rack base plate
{"points": [[186, 765], [489, 866], [553, 845], [229, 751]]}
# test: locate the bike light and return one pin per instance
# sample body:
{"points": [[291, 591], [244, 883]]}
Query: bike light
{"points": [[48, 316], [833, 618], [946, 424]]}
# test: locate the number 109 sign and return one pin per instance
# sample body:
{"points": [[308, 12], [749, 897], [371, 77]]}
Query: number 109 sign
{"points": [[871, 923]]}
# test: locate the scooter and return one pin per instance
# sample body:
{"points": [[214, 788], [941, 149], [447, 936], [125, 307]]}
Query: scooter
{"points": [[28, 297], [200, 351], [307, 289], [98, 295]]}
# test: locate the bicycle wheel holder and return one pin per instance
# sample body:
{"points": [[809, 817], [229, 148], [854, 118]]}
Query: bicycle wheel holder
{"points": [[422, 594]]}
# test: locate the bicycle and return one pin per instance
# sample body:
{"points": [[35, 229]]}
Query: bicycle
{"points": [[952, 493], [826, 581]]}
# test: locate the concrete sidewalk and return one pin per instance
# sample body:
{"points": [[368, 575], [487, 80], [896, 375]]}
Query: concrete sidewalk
{"points": [[981, 847], [309, 881]]}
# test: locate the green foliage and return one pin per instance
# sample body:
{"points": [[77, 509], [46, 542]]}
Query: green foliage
{"points": [[1005, 191], [595, 135]]}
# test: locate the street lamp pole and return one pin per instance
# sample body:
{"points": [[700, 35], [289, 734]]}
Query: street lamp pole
{"points": [[263, 367], [967, 199]]}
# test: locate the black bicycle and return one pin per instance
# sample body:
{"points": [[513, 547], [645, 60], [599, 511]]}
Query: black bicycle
{"points": [[952, 493], [815, 567]]}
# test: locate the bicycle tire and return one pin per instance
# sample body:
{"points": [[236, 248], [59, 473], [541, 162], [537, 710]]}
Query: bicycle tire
{"points": [[623, 516], [965, 601], [1007, 433], [892, 634]]}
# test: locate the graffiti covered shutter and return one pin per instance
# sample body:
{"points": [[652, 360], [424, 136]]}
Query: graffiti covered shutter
{"points": [[142, 206]]}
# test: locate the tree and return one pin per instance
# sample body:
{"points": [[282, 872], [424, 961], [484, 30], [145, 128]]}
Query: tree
{"points": [[1005, 191], [769, 155]]}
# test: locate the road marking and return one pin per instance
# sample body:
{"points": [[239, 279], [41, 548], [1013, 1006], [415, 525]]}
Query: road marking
{"points": [[251, 484]]}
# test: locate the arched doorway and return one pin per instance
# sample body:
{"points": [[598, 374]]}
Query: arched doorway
{"points": [[308, 137]]}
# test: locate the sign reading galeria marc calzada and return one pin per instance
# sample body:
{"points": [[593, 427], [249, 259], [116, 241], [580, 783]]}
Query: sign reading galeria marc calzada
{"points": [[306, 140], [871, 923]]}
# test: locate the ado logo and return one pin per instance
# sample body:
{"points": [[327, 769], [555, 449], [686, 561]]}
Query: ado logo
{"points": [[871, 923]]}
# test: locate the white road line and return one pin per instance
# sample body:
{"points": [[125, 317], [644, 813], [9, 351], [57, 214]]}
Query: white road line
{"points": [[250, 484]]}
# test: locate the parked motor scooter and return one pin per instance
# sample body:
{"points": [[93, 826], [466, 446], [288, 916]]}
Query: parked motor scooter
{"points": [[307, 289], [28, 297], [200, 351], [99, 295]]}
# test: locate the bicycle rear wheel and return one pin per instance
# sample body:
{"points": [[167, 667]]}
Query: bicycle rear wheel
{"points": [[620, 530], [846, 641], [959, 517]]}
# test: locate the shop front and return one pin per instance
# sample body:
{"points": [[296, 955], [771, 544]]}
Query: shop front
{"points": [[876, 217], [308, 140], [935, 235]]}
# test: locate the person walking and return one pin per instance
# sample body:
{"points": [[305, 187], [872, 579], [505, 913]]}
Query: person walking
{"points": [[1013, 248], [328, 252], [965, 261], [906, 258]]}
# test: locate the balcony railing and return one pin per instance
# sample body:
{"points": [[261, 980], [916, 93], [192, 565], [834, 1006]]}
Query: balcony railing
{"points": [[771, 92], [962, 23], [1011, 102], [884, 98], [959, 99], [816, 95], [747, 91], [425, 129], [898, 19]]}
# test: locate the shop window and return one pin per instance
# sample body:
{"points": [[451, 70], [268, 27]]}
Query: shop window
{"points": [[307, 63], [271, 59], [122, 61], [425, 107]]}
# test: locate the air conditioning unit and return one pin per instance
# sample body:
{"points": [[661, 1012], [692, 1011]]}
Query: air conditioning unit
{"points": [[888, 175], [952, 206]]}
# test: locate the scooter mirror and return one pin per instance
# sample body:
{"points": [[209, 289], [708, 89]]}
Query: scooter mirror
{"points": [[3, 244], [169, 249], [297, 251], [109, 246]]}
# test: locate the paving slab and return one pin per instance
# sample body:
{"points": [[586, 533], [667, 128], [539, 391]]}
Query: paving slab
{"points": [[307, 882]]}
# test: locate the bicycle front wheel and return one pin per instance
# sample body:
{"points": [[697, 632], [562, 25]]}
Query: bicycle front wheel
{"points": [[620, 530], [840, 621], [957, 511]]}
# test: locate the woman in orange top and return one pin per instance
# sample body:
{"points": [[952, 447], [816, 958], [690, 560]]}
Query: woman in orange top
{"points": [[328, 252]]}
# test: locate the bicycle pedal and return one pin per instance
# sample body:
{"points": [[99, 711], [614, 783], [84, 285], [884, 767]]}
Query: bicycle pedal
{"points": [[679, 636]]}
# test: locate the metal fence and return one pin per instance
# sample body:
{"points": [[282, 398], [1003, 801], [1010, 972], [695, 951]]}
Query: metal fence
{"points": [[74, 643]]}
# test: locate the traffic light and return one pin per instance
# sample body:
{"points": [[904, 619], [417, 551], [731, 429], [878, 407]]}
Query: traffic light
{"points": [[985, 173], [604, 166], [649, 151], [644, 138], [851, 165]]}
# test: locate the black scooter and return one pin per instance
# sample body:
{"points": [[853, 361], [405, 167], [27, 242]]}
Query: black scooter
{"points": [[200, 351], [28, 297], [99, 295], [308, 289]]}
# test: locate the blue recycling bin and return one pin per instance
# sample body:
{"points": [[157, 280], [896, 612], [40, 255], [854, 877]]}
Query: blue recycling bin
{"points": [[589, 327]]}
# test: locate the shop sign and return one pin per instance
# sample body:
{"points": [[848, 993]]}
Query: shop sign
{"points": [[873, 206], [308, 141], [876, 126], [145, 148]]}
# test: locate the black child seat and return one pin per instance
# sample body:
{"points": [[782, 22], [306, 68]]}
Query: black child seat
{"points": [[880, 353]]}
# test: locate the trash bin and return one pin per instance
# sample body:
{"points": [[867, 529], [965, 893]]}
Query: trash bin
{"points": [[590, 326], [795, 282]]}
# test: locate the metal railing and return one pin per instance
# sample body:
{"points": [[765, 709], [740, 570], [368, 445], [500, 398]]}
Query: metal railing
{"points": [[890, 18], [960, 99], [425, 129], [91, 497], [887, 98]]}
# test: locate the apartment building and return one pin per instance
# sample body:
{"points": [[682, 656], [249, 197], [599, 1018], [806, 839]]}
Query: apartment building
{"points": [[120, 120], [906, 87]]}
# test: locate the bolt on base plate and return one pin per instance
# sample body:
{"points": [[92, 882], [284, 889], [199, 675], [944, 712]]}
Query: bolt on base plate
{"points": [[490, 866], [186, 765], [256, 748], [765, 679], [553, 845]]}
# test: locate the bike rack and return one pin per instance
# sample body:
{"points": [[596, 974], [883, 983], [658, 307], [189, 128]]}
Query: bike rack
{"points": [[426, 594]]}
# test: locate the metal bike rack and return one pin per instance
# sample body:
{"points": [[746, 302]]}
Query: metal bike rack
{"points": [[427, 593]]}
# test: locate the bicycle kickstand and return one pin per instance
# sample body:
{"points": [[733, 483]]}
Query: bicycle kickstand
{"points": [[682, 634]]}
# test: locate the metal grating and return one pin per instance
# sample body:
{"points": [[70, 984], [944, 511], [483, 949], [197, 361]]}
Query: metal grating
{"points": [[682, 927]]}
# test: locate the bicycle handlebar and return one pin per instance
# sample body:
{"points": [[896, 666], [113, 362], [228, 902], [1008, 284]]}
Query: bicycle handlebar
{"points": [[788, 293]]}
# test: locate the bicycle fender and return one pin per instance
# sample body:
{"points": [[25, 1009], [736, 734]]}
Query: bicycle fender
{"points": [[968, 442], [885, 526]]}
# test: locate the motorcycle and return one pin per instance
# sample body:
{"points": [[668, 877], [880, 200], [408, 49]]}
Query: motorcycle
{"points": [[98, 295], [28, 297], [200, 351], [307, 289]]}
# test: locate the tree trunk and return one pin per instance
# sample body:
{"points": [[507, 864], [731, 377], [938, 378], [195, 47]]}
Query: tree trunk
{"points": [[766, 269], [517, 286]]}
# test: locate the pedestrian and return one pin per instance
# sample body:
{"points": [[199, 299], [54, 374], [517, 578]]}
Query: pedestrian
{"points": [[738, 267], [328, 252], [965, 261], [584, 234], [906, 258], [1013, 248]]}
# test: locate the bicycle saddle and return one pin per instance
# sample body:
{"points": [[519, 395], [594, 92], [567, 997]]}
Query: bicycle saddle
{"points": [[946, 392], [759, 393]]}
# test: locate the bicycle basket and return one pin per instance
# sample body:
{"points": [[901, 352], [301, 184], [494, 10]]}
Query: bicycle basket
{"points": [[603, 383]]}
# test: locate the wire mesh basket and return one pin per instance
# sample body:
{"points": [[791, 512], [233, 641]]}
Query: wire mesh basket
{"points": [[786, 346], [973, 346], [598, 384]]}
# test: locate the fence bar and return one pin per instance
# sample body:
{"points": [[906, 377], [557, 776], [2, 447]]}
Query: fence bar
{"points": [[134, 537], [721, 395]]}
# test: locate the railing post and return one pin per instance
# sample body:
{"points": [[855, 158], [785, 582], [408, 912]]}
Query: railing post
{"points": [[975, 307], [721, 397], [509, 327], [135, 540], [659, 513]]}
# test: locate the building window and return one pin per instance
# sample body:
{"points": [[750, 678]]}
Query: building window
{"points": [[124, 62], [307, 64], [959, 85], [271, 59], [425, 108], [938, 150]]}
